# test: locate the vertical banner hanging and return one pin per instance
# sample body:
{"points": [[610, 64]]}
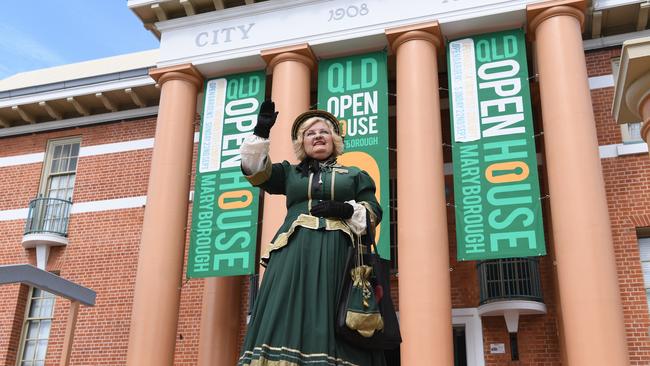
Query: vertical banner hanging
{"points": [[496, 185], [224, 214], [355, 90]]}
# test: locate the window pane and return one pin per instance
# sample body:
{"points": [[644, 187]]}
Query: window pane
{"points": [[55, 166], [645, 267], [37, 292], [46, 308], [39, 363], [75, 150], [32, 330], [35, 310], [66, 151], [57, 152], [644, 249], [30, 348], [40, 350], [26, 363], [54, 185], [44, 331], [73, 165]]}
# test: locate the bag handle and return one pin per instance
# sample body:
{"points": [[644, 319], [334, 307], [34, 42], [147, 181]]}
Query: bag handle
{"points": [[369, 237]]}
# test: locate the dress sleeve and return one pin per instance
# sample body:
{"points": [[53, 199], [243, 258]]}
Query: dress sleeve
{"points": [[357, 222], [254, 152], [257, 168]]}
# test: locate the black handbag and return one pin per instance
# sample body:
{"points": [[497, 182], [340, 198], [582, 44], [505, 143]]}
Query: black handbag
{"points": [[366, 316]]}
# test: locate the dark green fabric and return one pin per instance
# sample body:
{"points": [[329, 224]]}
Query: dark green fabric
{"points": [[296, 305], [354, 184], [294, 314]]}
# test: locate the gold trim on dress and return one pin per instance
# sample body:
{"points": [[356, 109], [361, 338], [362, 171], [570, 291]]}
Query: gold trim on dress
{"points": [[261, 176], [309, 222], [263, 361], [311, 176]]}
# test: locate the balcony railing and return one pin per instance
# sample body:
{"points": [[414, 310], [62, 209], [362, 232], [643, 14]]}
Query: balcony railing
{"points": [[509, 279], [48, 215]]}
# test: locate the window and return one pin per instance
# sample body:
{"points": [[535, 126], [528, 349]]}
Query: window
{"points": [[644, 251], [51, 210], [60, 169], [36, 329], [630, 132]]}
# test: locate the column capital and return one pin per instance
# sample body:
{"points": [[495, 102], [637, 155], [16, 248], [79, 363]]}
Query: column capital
{"points": [[637, 94], [186, 72], [300, 53], [538, 13], [424, 31]]}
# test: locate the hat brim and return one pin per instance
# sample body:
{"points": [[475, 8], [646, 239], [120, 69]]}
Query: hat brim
{"points": [[314, 113]]}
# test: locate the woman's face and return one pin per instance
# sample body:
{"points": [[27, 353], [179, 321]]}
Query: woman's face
{"points": [[317, 141]]}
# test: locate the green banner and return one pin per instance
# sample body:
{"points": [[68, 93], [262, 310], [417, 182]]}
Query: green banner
{"points": [[225, 210], [355, 90], [496, 185]]}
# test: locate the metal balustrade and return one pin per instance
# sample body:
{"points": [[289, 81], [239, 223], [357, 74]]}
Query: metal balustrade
{"points": [[509, 279], [48, 215]]}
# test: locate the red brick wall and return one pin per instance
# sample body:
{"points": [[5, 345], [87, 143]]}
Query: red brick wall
{"points": [[102, 249], [599, 63], [627, 180]]}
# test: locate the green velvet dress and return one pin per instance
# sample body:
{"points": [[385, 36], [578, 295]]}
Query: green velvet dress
{"points": [[292, 322]]}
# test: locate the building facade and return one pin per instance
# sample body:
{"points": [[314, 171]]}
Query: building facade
{"points": [[97, 162]]}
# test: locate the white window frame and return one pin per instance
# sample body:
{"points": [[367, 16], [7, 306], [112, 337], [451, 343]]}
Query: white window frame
{"points": [[27, 321], [49, 155]]}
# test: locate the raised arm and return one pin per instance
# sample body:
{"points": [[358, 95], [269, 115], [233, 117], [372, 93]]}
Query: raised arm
{"points": [[255, 163]]}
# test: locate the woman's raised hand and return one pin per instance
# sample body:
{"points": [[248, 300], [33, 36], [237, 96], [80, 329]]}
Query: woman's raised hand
{"points": [[265, 119]]}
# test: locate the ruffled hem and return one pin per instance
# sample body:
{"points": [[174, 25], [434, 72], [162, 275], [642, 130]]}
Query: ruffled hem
{"points": [[282, 356]]}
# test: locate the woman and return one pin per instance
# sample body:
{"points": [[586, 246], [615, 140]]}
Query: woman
{"points": [[292, 323]]}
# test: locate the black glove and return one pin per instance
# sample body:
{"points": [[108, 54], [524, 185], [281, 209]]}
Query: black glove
{"points": [[333, 209], [265, 119]]}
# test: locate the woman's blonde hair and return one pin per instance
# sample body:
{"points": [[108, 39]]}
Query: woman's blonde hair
{"points": [[298, 147]]}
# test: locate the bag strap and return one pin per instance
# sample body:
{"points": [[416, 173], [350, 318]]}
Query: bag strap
{"points": [[369, 238]]}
